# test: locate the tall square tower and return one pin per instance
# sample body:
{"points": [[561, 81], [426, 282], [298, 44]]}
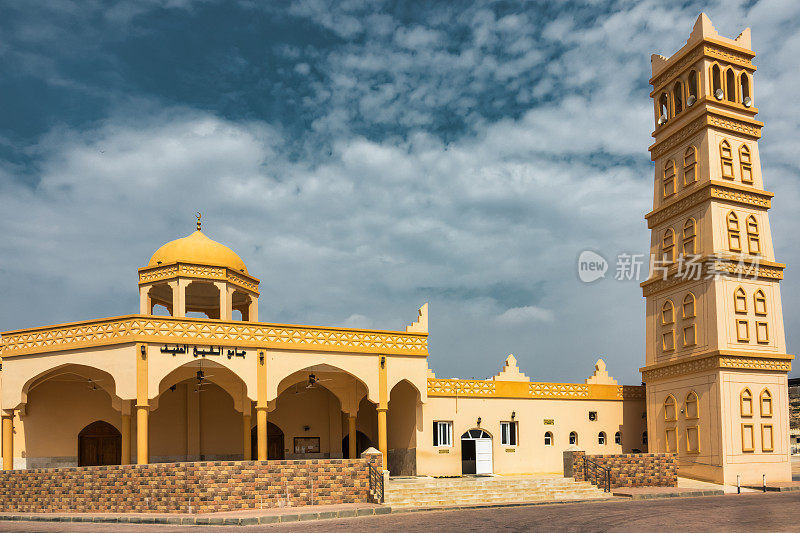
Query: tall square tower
{"points": [[716, 363]]}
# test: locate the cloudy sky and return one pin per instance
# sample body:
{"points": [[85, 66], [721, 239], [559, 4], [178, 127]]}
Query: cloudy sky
{"points": [[365, 157]]}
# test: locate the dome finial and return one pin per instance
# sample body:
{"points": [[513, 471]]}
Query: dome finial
{"points": [[199, 216]]}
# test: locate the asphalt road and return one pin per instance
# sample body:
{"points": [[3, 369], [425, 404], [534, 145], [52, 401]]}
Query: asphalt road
{"points": [[773, 512]]}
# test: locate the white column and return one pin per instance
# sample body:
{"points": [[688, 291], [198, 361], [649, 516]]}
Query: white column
{"points": [[145, 303]]}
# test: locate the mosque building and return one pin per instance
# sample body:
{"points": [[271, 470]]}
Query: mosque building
{"points": [[145, 388]]}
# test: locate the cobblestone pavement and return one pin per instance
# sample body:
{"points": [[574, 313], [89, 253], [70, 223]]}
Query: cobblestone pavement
{"points": [[774, 512]]}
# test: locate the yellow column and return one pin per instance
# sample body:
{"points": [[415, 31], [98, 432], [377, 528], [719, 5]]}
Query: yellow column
{"points": [[8, 440], [246, 422], [383, 406], [126, 434], [351, 436], [261, 405], [142, 406]]}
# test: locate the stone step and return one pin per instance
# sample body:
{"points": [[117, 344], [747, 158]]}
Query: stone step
{"points": [[482, 501]]}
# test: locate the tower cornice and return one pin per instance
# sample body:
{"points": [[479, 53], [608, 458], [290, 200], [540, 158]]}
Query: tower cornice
{"points": [[690, 124], [710, 48], [709, 190], [728, 264], [718, 360]]}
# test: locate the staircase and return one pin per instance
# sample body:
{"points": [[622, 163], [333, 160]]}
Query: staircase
{"points": [[406, 493]]}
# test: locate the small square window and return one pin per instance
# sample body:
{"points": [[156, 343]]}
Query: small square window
{"points": [[742, 331], [443, 434], [508, 433], [593, 416], [762, 332], [748, 439], [767, 444]]}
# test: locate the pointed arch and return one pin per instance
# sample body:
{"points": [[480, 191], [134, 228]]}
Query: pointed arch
{"points": [[601, 438], [668, 326], [668, 245], [669, 178], [760, 303], [744, 88], [692, 410], [730, 85], [689, 165], [734, 237], [689, 236], [692, 87], [753, 239], [765, 403], [677, 97], [689, 314], [663, 107], [726, 159], [745, 164], [739, 300], [689, 306], [670, 409], [746, 402], [716, 81], [667, 313], [573, 438]]}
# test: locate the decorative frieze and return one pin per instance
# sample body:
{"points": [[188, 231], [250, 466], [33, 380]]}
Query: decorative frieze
{"points": [[717, 361], [527, 390], [197, 271], [709, 118], [168, 330]]}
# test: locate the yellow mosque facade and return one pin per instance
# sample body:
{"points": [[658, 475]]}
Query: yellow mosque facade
{"points": [[170, 386]]}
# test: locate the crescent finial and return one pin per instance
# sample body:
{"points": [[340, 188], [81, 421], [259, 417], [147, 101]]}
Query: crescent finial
{"points": [[199, 215]]}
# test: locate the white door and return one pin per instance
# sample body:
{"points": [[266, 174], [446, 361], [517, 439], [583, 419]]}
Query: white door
{"points": [[483, 456]]}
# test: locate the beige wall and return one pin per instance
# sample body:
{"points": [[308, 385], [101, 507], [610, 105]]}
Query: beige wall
{"points": [[316, 408], [530, 455]]}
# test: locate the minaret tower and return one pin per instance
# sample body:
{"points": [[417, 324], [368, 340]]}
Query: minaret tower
{"points": [[716, 363]]}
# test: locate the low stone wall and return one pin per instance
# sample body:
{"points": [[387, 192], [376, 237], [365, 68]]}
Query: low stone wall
{"points": [[199, 487], [628, 469]]}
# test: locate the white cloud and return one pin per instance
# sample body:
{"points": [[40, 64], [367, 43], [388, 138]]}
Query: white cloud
{"points": [[525, 315]]}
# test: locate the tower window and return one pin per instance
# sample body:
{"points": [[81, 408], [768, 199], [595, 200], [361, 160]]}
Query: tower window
{"points": [[760, 303], [689, 314], [739, 300], [745, 164], [618, 438], [734, 238], [767, 443], [669, 178], [670, 412], [668, 246], [744, 89], [766, 403], [667, 313], [548, 439], [692, 411], [601, 438], [677, 97], [663, 107], [726, 159], [689, 234], [644, 438], [742, 330], [690, 165], [692, 439], [762, 332], [573, 438], [746, 402], [716, 82], [693, 92], [753, 241], [730, 82]]}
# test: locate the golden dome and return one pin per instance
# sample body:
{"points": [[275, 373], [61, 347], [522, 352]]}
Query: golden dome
{"points": [[197, 248]]}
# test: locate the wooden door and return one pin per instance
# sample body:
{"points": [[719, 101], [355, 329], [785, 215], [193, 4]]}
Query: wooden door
{"points": [[99, 443]]}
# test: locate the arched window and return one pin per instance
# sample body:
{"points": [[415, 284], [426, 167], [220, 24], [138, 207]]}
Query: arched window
{"points": [[688, 306], [670, 411], [753, 241], [745, 164], [716, 82], [690, 165], [734, 237], [677, 97], [663, 107], [746, 402], [667, 313], [689, 313], [668, 246], [601, 438], [739, 300], [644, 438], [744, 89], [726, 159], [669, 178], [618, 438], [668, 328], [692, 412], [548, 438], [573, 438], [693, 92], [730, 82], [689, 231], [766, 403], [760, 303]]}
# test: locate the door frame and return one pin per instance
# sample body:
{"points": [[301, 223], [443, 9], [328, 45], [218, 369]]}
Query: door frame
{"points": [[475, 435]]}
